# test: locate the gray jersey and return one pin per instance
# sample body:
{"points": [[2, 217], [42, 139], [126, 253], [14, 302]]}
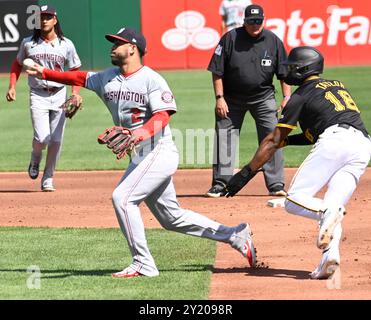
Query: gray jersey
{"points": [[233, 11], [132, 100], [58, 55]]}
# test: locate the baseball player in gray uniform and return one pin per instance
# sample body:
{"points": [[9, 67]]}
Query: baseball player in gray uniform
{"points": [[139, 99], [49, 48], [232, 13]]}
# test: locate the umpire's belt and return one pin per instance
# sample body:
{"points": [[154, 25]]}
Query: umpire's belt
{"points": [[52, 89], [347, 126]]}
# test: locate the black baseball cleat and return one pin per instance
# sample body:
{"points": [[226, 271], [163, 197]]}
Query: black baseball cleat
{"points": [[216, 192], [277, 191], [33, 170]]}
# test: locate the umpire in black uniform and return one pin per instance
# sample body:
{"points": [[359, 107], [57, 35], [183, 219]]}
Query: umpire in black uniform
{"points": [[243, 66]]}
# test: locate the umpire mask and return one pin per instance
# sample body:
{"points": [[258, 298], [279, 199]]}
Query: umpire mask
{"points": [[301, 63]]}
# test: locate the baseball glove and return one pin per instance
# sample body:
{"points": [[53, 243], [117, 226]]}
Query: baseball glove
{"points": [[121, 140], [239, 180], [72, 105]]}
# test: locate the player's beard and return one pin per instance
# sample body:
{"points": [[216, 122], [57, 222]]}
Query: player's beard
{"points": [[118, 59], [115, 61]]}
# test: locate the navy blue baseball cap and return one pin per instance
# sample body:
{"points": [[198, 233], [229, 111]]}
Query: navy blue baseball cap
{"points": [[129, 35], [46, 9]]}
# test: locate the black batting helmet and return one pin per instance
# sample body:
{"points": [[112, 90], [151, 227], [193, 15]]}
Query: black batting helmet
{"points": [[303, 62]]}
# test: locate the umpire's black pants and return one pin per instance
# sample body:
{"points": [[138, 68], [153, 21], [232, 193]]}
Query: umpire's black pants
{"points": [[227, 134]]}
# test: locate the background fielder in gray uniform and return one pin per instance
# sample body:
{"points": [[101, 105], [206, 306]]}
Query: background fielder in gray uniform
{"points": [[232, 13], [51, 49], [138, 98]]}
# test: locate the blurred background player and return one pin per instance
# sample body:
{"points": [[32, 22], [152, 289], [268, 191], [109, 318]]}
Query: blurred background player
{"points": [[330, 119], [243, 66], [139, 99], [232, 13], [50, 48]]}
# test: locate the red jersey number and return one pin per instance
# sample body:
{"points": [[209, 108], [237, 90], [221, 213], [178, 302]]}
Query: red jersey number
{"points": [[135, 116]]}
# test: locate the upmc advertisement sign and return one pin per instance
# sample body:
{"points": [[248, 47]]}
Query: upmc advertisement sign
{"points": [[183, 34]]}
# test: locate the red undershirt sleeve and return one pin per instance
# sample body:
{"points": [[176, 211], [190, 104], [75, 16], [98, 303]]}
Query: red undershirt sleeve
{"points": [[156, 123], [74, 78], [15, 71]]}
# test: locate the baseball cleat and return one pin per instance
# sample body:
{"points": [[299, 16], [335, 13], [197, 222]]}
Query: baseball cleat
{"points": [[127, 273], [48, 189], [330, 262], [248, 252], [47, 185], [277, 191], [330, 219], [244, 243], [216, 192], [33, 170]]}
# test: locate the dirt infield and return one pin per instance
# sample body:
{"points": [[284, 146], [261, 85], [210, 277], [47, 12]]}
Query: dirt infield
{"points": [[285, 243]]}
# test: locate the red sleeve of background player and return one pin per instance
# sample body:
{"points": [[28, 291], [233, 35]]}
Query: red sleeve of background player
{"points": [[73, 78], [15, 71], [156, 123]]}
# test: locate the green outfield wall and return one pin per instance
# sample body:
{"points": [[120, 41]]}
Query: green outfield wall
{"points": [[86, 22]]}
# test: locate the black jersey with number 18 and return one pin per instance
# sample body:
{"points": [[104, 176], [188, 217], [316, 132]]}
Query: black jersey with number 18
{"points": [[318, 104]]}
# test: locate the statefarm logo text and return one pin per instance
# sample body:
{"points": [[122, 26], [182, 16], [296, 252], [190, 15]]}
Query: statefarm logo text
{"points": [[314, 31]]}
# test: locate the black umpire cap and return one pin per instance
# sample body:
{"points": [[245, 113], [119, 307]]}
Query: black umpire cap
{"points": [[254, 11], [129, 35]]}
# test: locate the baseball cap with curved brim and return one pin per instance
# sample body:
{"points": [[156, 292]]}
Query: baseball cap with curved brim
{"points": [[48, 10], [131, 36], [253, 12]]}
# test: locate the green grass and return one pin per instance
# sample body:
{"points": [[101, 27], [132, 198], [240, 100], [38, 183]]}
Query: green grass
{"points": [[77, 264], [195, 99]]}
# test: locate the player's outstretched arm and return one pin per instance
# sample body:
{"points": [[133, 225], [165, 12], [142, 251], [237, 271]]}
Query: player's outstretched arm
{"points": [[34, 69], [76, 89], [74, 78], [266, 150]]}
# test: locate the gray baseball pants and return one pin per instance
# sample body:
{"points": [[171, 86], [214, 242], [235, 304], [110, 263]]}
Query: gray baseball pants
{"points": [[150, 180], [227, 134]]}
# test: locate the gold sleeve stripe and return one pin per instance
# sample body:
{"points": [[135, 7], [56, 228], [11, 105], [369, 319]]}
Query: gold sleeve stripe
{"points": [[286, 125]]}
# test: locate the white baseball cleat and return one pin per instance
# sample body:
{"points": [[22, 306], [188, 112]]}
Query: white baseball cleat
{"points": [[47, 186], [329, 263], [128, 272], [244, 244], [48, 189], [330, 219], [33, 170]]}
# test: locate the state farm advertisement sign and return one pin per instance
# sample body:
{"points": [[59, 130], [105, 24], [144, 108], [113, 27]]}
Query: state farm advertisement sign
{"points": [[184, 34]]}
